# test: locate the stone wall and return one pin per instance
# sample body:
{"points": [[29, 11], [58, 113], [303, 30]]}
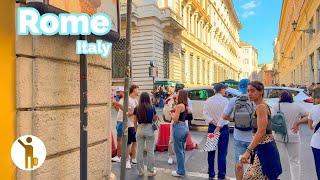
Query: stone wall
{"points": [[48, 106]]}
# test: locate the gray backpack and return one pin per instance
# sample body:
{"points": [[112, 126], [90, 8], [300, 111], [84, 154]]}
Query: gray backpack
{"points": [[242, 113]]}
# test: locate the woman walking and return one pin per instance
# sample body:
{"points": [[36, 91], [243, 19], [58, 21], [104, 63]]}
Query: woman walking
{"points": [[145, 114], [293, 114], [314, 124], [180, 132], [265, 159]]}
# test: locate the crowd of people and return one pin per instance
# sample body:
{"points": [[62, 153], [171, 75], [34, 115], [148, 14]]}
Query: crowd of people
{"points": [[261, 131]]}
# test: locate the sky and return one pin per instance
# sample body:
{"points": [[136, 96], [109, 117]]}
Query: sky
{"points": [[260, 22]]}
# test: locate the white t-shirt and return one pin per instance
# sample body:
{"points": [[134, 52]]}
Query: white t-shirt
{"points": [[120, 112], [132, 104], [292, 113], [315, 117]]}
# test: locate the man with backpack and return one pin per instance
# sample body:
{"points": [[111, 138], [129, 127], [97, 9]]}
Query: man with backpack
{"points": [[240, 110]]}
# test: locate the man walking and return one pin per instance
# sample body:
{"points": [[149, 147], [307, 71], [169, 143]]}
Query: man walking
{"points": [[213, 110], [242, 110]]}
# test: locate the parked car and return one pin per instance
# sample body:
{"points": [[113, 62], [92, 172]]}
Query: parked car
{"points": [[197, 97], [271, 96]]}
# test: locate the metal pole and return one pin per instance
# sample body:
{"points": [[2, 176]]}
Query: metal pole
{"points": [[83, 116], [126, 90]]}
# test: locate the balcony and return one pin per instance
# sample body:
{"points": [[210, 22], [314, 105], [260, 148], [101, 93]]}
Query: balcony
{"points": [[170, 18], [123, 9]]}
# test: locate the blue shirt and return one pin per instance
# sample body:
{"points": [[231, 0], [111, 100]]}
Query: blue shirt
{"points": [[245, 136], [150, 113]]}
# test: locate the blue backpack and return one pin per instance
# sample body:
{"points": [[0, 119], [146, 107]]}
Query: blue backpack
{"points": [[279, 126]]}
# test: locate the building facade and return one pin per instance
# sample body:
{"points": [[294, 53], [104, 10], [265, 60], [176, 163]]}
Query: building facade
{"points": [[47, 99], [266, 74], [248, 62], [194, 42], [297, 53]]}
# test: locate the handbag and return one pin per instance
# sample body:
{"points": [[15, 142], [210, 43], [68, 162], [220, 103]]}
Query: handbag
{"points": [[212, 142]]}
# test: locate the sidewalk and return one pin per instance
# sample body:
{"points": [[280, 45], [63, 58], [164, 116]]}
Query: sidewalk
{"points": [[195, 164]]}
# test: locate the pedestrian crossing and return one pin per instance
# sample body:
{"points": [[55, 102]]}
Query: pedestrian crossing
{"points": [[189, 174]]}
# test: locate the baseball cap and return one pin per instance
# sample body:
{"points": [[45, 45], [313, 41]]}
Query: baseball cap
{"points": [[243, 85], [219, 86], [119, 88]]}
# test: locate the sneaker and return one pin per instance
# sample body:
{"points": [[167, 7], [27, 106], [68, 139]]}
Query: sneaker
{"points": [[152, 173], [175, 174], [128, 164], [134, 161], [170, 161], [116, 159]]}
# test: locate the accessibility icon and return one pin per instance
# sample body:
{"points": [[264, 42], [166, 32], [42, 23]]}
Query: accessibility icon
{"points": [[28, 152]]}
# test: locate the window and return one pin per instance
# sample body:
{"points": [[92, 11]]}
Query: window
{"points": [[119, 58], [246, 61], [318, 18], [197, 28], [310, 27], [202, 94], [166, 53], [198, 69], [191, 68], [319, 63], [183, 67], [182, 11]]}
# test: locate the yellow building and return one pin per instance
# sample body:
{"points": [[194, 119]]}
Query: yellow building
{"points": [[297, 48], [248, 62], [194, 42]]}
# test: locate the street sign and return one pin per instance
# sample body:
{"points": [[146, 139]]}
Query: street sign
{"points": [[153, 71]]}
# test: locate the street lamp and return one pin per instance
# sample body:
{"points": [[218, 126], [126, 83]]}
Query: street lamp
{"points": [[309, 30]]}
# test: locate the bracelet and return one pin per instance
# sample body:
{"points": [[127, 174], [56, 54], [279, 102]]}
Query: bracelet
{"points": [[249, 150]]}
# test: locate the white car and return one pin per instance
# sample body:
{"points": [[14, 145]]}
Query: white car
{"points": [[199, 95], [271, 96]]}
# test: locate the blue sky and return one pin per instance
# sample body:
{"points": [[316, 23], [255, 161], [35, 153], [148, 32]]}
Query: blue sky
{"points": [[260, 21]]}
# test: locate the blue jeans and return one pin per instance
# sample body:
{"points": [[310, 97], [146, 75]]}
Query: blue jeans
{"points": [[222, 152], [180, 132], [316, 155], [240, 148]]}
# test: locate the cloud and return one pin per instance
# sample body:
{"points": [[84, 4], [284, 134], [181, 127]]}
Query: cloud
{"points": [[246, 14], [249, 5]]}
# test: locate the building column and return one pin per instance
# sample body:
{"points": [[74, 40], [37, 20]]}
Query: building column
{"points": [[188, 18], [195, 24]]}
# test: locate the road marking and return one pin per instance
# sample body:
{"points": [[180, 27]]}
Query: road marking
{"points": [[190, 174]]}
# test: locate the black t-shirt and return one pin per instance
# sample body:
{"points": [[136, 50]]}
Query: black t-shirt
{"points": [[151, 112]]}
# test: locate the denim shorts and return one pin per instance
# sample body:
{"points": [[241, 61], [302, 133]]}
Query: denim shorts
{"points": [[119, 128], [240, 148]]}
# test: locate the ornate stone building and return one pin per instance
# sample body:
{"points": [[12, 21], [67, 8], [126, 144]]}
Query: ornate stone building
{"points": [[298, 52], [248, 61], [194, 42]]}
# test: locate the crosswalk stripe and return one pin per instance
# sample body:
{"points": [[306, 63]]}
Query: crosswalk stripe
{"points": [[190, 174]]}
